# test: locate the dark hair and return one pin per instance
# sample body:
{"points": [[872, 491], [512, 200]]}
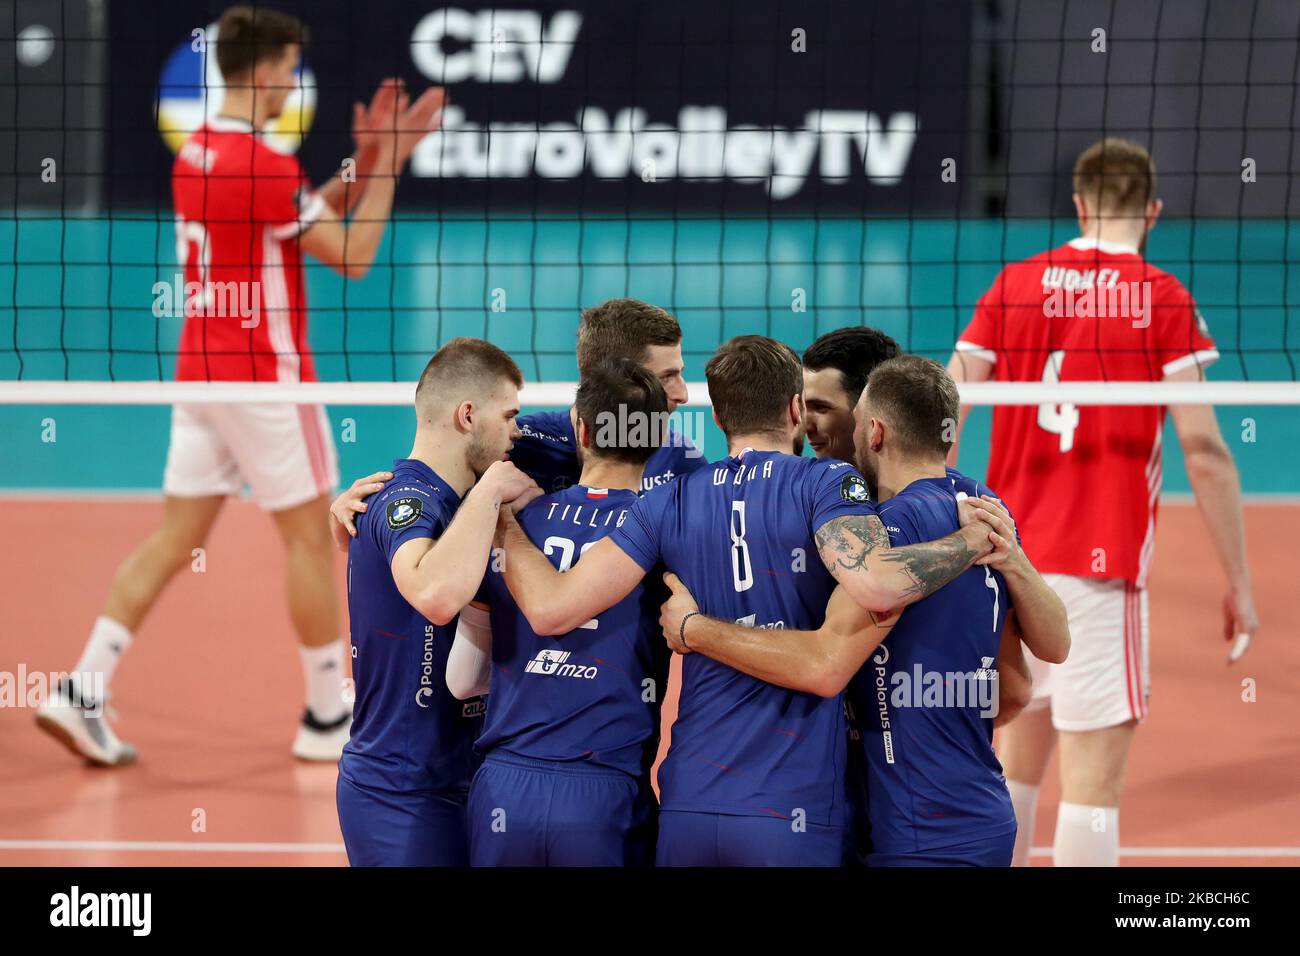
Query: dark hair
{"points": [[247, 35], [1118, 175], [751, 381], [464, 368], [623, 397], [623, 329], [918, 399], [853, 352]]}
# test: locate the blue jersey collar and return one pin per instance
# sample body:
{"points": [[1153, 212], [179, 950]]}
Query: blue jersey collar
{"points": [[426, 474]]}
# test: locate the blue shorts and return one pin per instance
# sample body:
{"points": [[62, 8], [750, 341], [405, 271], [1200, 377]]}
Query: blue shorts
{"points": [[995, 851], [687, 838], [526, 812], [383, 828]]}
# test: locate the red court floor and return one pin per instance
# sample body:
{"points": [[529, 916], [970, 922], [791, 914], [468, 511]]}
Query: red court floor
{"points": [[211, 692]]}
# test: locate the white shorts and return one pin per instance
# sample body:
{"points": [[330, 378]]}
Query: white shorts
{"points": [[1105, 680], [283, 452]]}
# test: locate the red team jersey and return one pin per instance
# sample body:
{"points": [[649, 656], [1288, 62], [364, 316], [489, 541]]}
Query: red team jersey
{"points": [[240, 207], [1083, 478]]}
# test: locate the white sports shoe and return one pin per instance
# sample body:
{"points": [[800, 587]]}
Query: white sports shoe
{"points": [[321, 741], [82, 727]]}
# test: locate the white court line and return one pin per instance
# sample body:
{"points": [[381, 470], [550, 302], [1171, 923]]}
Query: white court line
{"points": [[177, 846], [1194, 851], [200, 846]]}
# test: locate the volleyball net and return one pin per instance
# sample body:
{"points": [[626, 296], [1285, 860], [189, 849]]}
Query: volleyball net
{"points": [[759, 167]]}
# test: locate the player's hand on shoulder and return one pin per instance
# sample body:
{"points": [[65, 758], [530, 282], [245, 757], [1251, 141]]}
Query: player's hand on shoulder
{"points": [[674, 610], [975, 527], [1006, 548], [345, 507]]}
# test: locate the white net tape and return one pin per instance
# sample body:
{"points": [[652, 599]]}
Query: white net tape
{"points": [[561, 393]]}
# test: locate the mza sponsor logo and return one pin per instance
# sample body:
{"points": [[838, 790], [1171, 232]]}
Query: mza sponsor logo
{"points": [[751, 620], [554, 663]]}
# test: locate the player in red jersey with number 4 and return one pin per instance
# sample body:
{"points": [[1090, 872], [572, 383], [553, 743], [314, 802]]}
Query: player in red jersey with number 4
{"points": [[245, 217], [1086, 483]]}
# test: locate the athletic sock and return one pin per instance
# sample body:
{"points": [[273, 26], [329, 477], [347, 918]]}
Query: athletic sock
{"points": [[1086, 836], [322, 670], [107, 643], [1024, 798]]}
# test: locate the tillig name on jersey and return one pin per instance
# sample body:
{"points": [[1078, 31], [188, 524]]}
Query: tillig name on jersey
{"points": [[593, 516]]}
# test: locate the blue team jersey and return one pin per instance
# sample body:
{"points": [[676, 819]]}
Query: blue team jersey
{"points": [[547, 452], [740, 535], [408, 732], [590, 695], [927, 697]]}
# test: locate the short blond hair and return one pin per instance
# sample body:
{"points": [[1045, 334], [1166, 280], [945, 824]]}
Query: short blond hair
{"points": [[623, 329], [1115, 175]]}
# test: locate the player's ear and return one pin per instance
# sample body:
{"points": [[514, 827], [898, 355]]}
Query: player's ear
{"points": [[1081, 211], [796, 409], [465, 414], [584, 436], [1154, 208], [876, 435]]}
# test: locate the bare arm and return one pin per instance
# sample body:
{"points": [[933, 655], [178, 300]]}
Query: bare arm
{"points": [[818, 662], [556, 603], [350, 248], [1217, 487], [856, 551], [1015, 684], [1040, 614], [965, 367], [397, 128], [343, 191], [369, 124], [439, 577]]}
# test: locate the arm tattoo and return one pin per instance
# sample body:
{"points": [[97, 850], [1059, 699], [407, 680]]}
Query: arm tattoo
{"points": [[931, 565], [846, 542]]}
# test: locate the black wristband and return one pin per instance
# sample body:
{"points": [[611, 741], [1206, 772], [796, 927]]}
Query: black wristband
{"points": [[681, 631]]}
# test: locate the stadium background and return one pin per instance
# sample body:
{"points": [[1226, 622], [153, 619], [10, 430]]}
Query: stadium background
{"points": [[1010, 91]]}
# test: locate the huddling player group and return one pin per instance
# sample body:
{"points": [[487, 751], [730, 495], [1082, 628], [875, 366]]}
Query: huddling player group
{"points": [[852, 626], [778, 578]]}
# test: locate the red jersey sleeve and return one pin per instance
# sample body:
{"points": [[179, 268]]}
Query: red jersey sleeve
{"points": [[983, 336], [1181, 337], [284, 199]]}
